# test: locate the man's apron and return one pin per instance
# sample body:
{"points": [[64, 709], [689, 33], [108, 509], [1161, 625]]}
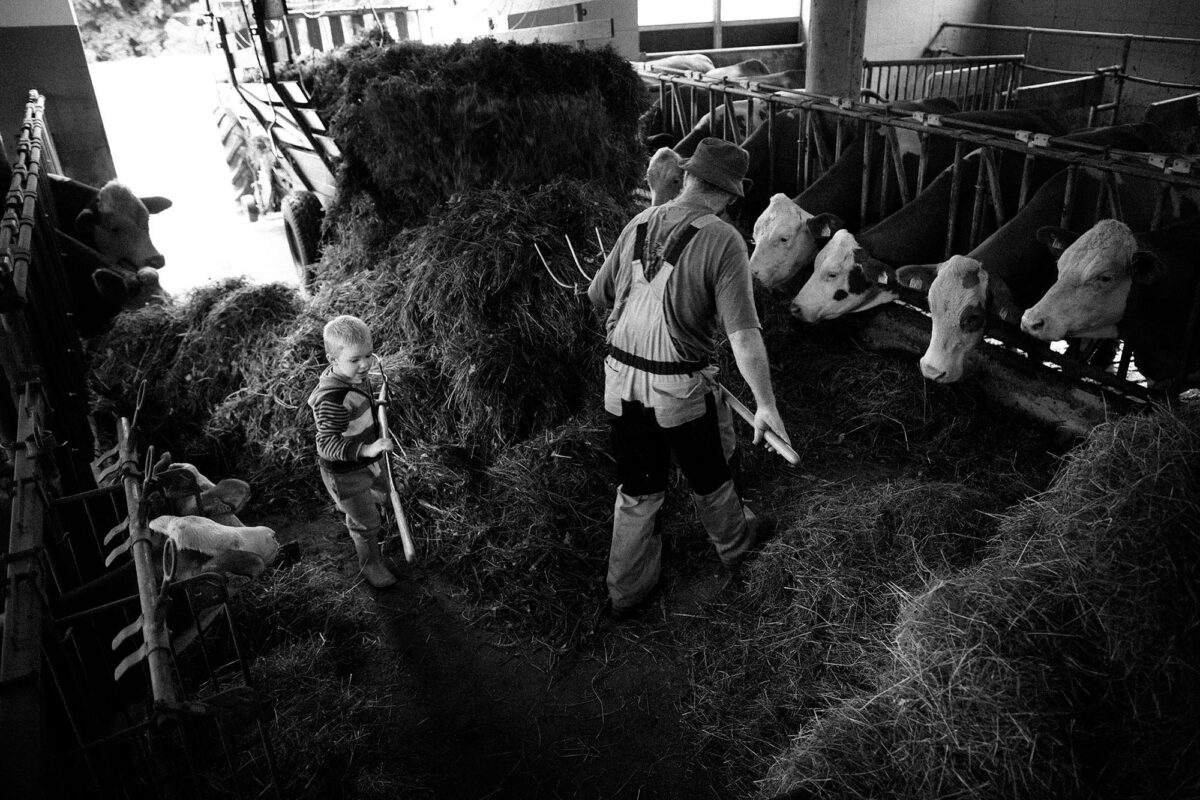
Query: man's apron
{"points": [[644, 366]]}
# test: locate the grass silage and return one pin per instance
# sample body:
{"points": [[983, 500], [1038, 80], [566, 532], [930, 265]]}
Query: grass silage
{"points": [[1063, 664]]}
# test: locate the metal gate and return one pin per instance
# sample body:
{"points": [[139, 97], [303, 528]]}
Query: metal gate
{"points": [[116, 680], [827, 125]]}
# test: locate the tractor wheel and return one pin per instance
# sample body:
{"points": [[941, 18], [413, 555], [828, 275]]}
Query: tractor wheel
{"points": [[234, 140], [302, 214]]}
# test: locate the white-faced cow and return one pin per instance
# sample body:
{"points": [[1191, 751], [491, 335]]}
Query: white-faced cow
{"points": [[787, 239], [1141, 287], [110, 260]]}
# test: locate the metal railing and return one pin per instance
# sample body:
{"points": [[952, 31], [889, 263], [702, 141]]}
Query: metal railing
{"points": [[1124, 51], [974, 82], [826, 127], [80, 718]]}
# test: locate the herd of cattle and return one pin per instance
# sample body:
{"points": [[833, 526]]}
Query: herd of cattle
{"points": [[1133, 275]]}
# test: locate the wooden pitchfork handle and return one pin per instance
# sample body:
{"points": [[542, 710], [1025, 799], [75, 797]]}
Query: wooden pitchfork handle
{"points": [[773, 439], [410, 550]]}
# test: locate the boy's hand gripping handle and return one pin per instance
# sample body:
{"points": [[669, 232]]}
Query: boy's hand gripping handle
{"points": [[410, 550]]}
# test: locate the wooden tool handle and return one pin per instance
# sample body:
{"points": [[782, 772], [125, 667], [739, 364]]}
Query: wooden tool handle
{"points": [[410, 550], [773, 439]]}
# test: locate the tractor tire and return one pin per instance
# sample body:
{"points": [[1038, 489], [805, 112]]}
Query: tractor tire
{"points": [[235, 140], [302, 215]]}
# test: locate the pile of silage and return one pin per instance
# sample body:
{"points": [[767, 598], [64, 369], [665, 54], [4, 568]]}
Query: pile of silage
{"points": [[810, 624], [192, 354], [418, 124], [1066, 664]]}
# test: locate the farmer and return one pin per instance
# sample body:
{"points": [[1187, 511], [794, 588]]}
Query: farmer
{"points": [[348, 442], [676, 273]]}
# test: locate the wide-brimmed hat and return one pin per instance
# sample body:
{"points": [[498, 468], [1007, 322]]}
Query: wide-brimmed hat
{"points": [[721, 163]]}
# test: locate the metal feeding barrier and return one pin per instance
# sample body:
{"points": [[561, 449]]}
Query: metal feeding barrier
{"points": [[827, 125], [117, 678]]}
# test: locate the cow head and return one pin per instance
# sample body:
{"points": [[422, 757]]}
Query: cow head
{"points": [[664, 175], [786, 238], [961, 294], [743, 122], [845, 279], [119, 224], [1095, 273]]}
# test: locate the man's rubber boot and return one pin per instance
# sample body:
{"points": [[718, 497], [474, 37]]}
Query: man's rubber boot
{"points": [[370, 561]]}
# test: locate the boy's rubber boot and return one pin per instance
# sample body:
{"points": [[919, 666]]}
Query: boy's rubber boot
{"points": [[370, 561]]}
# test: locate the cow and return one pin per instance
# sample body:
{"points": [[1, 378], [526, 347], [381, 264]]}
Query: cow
{"points": [[104, 239], [664, 175], [1016, 268], [691, 62], [658, 128], [787, 237], [743, 69], [1140, 287], [917, 232]]}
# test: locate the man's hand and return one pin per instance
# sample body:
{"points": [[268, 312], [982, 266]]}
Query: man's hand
{"points": [[376, 447], [766, 418]]}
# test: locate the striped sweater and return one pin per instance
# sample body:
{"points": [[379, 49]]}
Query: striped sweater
{"points": [[345, 415]]}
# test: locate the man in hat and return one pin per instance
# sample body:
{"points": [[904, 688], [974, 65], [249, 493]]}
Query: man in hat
{"points": [[676, 277]]}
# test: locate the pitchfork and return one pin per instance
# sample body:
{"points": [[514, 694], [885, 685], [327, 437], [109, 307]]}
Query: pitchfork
{"points": [[410, 550]]}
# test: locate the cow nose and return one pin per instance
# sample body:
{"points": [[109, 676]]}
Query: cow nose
{"points": [[1032, 324], [931, 372], [156, 261]]}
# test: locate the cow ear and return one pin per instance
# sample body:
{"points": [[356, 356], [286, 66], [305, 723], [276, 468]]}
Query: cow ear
{"points": [[1000, 299], [86, 220], [823, 226], [873, 269], [1146, 267], [156, 204], [917, 276], [1057, 239]]}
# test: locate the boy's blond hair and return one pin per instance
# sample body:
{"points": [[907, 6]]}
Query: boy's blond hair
{"points": [[343, 331]]}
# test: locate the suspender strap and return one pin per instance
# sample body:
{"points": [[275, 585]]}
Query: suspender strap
{"points": [[683, 241], [655, 367], [639, 242]]}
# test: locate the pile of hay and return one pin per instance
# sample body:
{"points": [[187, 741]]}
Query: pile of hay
{"points": [[1065, 664], [191, 355], [418, 124], [482, 348], [531, 539], [817, 602]]}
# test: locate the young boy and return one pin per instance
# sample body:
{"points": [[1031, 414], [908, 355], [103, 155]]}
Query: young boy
{"points": [[348, 442]]}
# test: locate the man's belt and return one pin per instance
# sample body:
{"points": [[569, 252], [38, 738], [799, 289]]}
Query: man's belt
{"points": [[655, 367]]}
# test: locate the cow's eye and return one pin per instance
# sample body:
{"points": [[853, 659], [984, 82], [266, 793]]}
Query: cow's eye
{"points": [[783, 240], [1105, 277]]}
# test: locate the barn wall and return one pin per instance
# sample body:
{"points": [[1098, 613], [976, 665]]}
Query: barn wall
{"points": [[42, 50], [901, 28], [1176, 18]]}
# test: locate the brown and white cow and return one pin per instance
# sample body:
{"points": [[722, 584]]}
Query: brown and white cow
{"points": [[110, 259], [1140, 287], [845, 279]]}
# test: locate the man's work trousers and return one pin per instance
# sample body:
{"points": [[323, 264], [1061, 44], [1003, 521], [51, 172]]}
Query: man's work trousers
{"points": [[643, 450]]}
